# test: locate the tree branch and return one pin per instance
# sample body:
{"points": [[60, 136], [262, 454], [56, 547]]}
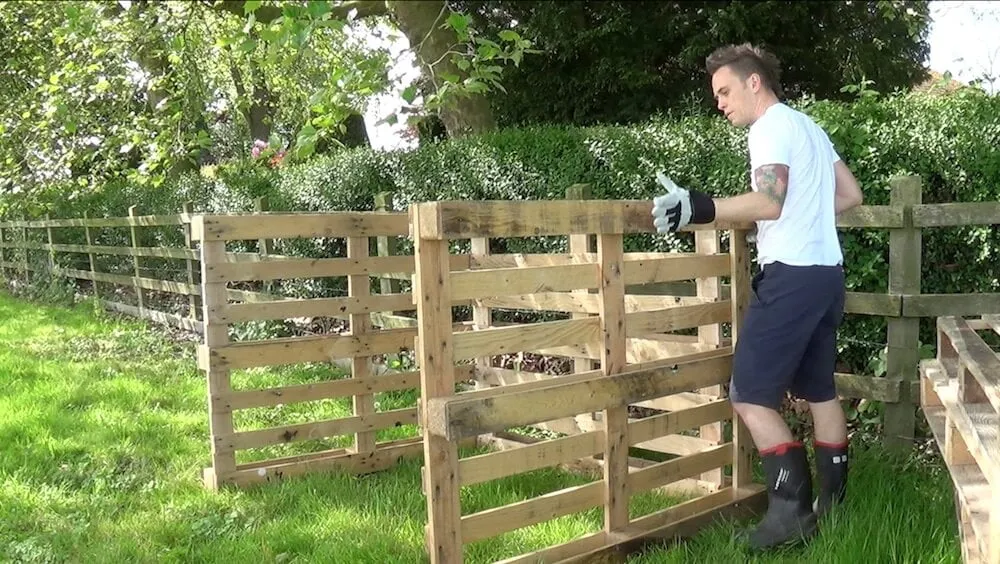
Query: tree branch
{"points": [[267, 14]]}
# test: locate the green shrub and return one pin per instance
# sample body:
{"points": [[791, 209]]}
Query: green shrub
{"points": [[949, 141]]}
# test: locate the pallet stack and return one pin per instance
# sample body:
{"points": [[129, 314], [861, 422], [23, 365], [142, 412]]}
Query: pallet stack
{"points": [[960, 396]]}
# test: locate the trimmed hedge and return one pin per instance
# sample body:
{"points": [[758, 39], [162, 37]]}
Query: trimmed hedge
{"points": [[949, 141]]}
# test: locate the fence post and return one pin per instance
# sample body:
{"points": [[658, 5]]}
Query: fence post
{"points": [[90, 255], [707, 243], [133, 229], [384, 246], [24, 236], [52, 252], [903, 333], [194, 302], [3, 255]]}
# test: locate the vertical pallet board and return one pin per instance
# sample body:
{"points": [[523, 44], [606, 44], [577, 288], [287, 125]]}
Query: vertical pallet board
{"points": [[739, 253], [220, 415], [960, 398], [903, 333], [612, 312], [707, 242], [432, 291], [359, 288]]}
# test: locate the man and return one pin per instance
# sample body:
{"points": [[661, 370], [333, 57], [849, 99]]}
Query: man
{"points": [[788, 339]]}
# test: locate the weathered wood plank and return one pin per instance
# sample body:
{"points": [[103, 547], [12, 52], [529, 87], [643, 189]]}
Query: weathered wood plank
{"points": [[872, 217], [476, 284], [867, 387], [643, 323], [137, 221], [613, 334], [686, 466], [459, 417], [435, 353], [500, 340], [582, 302], [217, 375], [293, 350], [125, 280], [956, 214], [743, 446], [903, 334], [305, 225], [543, 454], [676, 267], [975, 355], [160, 252], [386, 455], [157, 316], [941, 305], [309, 268], [311, 307], [462, 220], [316, 429]]}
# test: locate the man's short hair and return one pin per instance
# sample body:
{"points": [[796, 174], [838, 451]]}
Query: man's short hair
{"points": [[745, 60]]}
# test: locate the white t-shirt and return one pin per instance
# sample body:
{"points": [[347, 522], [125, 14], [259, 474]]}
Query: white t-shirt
{"points": [[806, 232]]}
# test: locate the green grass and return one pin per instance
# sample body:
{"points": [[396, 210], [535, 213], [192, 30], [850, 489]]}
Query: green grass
{"points": [[103, 435]]}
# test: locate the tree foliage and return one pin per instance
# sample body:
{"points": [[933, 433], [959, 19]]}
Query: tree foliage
{"points": [[100, 93], [620, 62]]}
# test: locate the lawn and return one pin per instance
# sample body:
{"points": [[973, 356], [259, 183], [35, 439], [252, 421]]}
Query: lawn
{"points": [[103, 435]]}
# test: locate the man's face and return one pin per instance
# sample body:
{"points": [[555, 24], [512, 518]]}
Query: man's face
{"points": [[735, 97]]}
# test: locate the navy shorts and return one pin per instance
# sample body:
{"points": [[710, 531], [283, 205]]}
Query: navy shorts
{"points": [[788, 341]]}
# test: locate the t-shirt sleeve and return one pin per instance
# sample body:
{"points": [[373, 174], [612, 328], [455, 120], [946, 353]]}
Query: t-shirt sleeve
{"points": [[770, 144], [834, 155]]}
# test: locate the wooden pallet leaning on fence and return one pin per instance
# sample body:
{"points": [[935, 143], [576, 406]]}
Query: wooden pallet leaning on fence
{"points": [[220, 358], [448, 417], [960, 396]]}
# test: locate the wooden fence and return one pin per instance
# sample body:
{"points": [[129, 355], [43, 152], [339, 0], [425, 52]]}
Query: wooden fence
{"points": [[902, 304], [960, 396], [605, 394], [19, 259]]}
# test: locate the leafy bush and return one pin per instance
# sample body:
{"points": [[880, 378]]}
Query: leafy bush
{"points": [[949, 141]]}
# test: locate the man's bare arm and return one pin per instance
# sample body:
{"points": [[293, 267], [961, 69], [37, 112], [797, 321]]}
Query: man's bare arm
{"points": [[766, 203], [848, 193]]}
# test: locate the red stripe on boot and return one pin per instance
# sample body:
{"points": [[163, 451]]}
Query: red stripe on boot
{"points": [[831, 445], [781, 449]]}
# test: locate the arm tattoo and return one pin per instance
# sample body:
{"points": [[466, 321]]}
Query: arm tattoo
{"points": [[772, 180]]}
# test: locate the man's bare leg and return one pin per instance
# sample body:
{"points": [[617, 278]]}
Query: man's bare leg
{"points": [[766, 425], [831, 453]]}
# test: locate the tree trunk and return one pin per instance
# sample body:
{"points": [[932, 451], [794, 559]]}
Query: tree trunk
{"points": [[421, 21], [258, 114]]}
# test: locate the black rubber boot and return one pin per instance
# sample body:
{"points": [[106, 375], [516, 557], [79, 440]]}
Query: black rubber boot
{"points": [[790, 518], [831, 470]]}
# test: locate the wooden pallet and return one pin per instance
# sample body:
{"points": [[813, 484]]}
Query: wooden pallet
{"points": [[960, 397]]}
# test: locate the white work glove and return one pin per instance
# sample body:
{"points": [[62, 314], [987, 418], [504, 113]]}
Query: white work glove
{"points": [[671, 210]]}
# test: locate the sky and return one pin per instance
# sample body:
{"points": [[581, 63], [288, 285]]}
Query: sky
{"points": [[964, 40]]}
